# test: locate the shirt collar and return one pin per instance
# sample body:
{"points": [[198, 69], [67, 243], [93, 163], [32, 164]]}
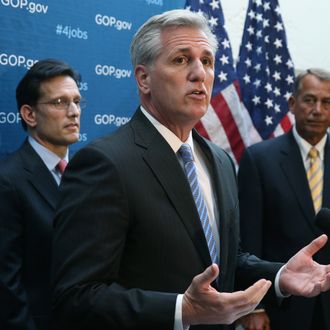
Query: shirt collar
{"points": [[174, 142], [305, 146], [49, 158]]}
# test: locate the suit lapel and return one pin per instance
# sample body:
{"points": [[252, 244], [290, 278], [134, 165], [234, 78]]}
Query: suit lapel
{"points": [[164, 163], [38, 175], [217, 173], [294, 170]]}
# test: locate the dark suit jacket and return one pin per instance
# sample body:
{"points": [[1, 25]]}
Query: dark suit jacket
{"points": [[127, 235], [277, 217], [28, 196]]}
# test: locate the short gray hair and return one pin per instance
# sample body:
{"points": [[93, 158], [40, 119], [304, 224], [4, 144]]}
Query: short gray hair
{"points": [[146, 44], [320, 74]]}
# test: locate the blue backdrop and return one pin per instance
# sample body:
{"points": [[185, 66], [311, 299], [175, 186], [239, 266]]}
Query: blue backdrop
{"points": [[94, 37]]}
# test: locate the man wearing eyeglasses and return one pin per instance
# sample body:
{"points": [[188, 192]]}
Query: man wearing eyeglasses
{"points": [[49, 103]]}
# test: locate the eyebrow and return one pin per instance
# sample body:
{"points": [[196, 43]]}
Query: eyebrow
{"points": [[315, 97], [188, 50]]}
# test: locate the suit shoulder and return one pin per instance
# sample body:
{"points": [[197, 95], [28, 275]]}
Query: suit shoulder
{"points": [[108, 147], [270, 145], [11, 163], [221, 155], [217, 150], [20, 163]]}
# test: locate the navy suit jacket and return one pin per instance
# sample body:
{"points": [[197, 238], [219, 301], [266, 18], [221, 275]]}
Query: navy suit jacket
{"points": [[127, 235], [277, 217], [28, 197]]}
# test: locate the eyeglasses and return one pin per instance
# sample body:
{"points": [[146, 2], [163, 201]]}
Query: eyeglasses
{"points": [[64, 104]]}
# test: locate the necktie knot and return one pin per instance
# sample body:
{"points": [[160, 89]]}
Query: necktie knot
{"points": [[61, 165], [186, 153], [313, 153]]}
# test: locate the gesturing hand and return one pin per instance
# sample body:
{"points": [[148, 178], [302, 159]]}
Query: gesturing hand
{"points": [[202, 304], [302, 276]]}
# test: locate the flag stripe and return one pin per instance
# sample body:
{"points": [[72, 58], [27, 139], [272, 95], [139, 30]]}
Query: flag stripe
{"points": [[286, 123], [224, 113], [215, 132]]}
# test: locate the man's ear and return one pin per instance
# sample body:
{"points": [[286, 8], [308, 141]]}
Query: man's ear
{"points": [[28, 115], [142, 78], [291, 102]]}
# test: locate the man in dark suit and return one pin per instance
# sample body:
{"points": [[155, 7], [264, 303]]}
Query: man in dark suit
{"points": [[133, 245], [276, 203], [48, 100]]}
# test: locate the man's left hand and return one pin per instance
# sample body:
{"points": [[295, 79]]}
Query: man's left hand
{"points": [[302, 276]]}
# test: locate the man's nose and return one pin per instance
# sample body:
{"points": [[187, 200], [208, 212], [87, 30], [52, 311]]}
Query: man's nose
{"points": [[317, 106], [74, 109], [197, 72]]}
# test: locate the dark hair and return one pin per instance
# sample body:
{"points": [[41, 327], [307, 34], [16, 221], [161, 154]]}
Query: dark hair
{"points": [[28, 89]]}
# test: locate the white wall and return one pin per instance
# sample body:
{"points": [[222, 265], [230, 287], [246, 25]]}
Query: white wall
{"points": [[307, 26]]}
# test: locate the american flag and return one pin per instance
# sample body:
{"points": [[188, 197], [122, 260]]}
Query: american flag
{"points": [[225, 121], [265, 69], [229, 122]]}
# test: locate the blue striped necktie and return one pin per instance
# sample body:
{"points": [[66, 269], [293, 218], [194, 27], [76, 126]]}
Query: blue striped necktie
{"points": [[191, 173]]}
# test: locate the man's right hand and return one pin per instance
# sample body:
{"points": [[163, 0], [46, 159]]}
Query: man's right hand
{"points": [[202, 304]]}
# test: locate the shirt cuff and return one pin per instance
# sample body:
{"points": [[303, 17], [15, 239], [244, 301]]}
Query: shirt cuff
{"points": [[178, 314], [259, 310], [278, 292]]}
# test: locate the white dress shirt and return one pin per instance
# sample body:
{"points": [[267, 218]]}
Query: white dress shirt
{"points": [[305, 147], [205, 182]]}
